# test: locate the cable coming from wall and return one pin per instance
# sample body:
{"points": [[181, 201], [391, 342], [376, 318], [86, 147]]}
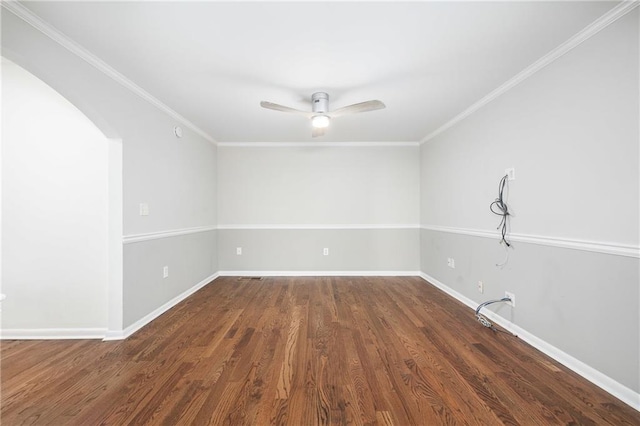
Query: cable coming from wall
{"points": [[484, 321], [499, 207]]}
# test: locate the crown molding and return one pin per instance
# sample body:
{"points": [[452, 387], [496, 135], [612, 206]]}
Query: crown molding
{"points": [[589, 31], [57, 36], [315, 144]]}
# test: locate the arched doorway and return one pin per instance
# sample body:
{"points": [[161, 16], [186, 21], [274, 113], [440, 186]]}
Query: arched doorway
{"points": [[61, 216]]}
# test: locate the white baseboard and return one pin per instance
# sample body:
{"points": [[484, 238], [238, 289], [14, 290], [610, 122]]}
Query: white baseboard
{"points": [[315, 227], [620, 391], [319, 273], [123, 334], [51, 333]]}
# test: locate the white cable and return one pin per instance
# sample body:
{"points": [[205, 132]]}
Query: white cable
{"points": [[506, 256], [484, 321]]}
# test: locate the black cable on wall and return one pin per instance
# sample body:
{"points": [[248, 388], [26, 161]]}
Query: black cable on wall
{"points": [[499, 207]]}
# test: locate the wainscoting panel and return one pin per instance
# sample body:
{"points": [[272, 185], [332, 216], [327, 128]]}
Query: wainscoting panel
{"points": [[561, 295], [303, 249]]}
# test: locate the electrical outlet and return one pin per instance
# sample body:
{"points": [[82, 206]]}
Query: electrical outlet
{"points": [[165, 272], [512, 297], [451, 263], [480, 286], [239, 251], [511, 173], [144, 209], [325, 251]]}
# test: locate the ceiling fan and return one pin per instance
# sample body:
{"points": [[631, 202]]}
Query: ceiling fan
{"points": [[320, 114]]}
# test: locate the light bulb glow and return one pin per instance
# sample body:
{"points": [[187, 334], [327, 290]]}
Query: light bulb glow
{"points": [[320, 121]]}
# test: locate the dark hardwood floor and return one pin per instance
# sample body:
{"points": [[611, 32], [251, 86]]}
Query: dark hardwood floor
{"points": [[302, 351]]}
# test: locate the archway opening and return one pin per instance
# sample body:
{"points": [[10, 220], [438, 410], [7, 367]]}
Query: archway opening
{"points": [[61, 215]]}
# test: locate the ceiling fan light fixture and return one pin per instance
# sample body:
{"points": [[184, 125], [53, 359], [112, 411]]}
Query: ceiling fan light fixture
{"points": [[320, 114], [320, 121]]}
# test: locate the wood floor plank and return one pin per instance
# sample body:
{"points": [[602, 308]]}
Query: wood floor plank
{"points": [[302, 351]]}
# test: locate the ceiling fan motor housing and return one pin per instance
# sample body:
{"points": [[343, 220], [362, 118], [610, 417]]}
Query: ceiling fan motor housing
{"points": [[320, 102]]}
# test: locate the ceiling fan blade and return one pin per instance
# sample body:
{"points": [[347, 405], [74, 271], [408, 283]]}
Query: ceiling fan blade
{"points": [[355, 108], [276, 107], [318, 131]]}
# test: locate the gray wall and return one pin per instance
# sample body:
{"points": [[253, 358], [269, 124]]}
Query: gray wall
{"points": [[581, 302], [571, 132], [176, 177], [190, 259], [284, 204], [350, 250]]}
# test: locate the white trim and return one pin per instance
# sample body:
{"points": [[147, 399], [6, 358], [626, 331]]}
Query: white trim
{"points": [[464, 231], [136, 238], [316, 144], [101, 333], [123, 334], [45, 28], [589, 31], [115, 298], [620, 391], [318, 226], [52, 333], [617, 249], [319, 273]]}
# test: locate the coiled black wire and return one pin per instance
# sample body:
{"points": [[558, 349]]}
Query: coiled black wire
{"points": [[499, 207]]}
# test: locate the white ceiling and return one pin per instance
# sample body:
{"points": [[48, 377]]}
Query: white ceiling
{"points": [[213, 62]]}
